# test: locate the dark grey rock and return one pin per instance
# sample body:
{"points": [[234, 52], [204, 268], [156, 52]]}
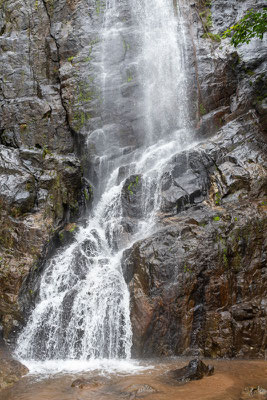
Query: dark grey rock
{"points": [[195, 370]]}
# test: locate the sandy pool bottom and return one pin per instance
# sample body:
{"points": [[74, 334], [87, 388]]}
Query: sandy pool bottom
{"points": [[227, 383]]}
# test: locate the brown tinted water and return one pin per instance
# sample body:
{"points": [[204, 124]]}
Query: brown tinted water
{"points": [[230, 378]]}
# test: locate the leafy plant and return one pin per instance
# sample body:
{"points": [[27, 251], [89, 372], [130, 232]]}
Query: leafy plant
{"points": [[253, 24]]}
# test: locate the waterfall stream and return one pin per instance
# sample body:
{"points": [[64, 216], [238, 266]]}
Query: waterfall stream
{"points": [[83, 308]]}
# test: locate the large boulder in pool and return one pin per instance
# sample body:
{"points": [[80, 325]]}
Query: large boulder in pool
{"points": [[195, 370]]}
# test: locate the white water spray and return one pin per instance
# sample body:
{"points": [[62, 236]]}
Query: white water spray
{"points": [[83, 309]]}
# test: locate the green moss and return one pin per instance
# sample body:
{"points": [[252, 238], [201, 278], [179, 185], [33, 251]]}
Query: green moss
{"points": [[217, 198], [80, 118], [23, 127], [73, 228], [126, 45], [249, 72], [187, 269], [46, 152], [216, 218], [86, 195], [133, 184], [28, 186], [100, 6], [213, 36], [130, 188], [202, 109], [70, 59]]}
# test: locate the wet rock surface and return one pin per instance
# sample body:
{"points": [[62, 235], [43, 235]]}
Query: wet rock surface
{"points": [[196, 369], [137, 391], [11, 370], [199, 284], [41, 187], [90, 383]]}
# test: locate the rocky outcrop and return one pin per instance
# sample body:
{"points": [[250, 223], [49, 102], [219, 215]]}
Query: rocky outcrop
{"points": [[41, 186], [195, 370], [198, 285]]}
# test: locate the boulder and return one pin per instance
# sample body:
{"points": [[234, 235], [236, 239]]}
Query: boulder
{"points": [[11, 371], [195, 370], [257, 393], [90, 383]]}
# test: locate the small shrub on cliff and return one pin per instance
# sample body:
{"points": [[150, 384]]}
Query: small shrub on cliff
{"points": [[253, 24]]}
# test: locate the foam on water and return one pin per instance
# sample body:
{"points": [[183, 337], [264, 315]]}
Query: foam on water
{"points": [[103, 366]]}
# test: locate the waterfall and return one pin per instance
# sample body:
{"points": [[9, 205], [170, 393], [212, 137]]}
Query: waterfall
{"points": [[83, 309]]}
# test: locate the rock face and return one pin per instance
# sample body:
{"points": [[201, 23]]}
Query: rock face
{"points": [[41, 187], [195, 370], [10, 370], [198, 285]]}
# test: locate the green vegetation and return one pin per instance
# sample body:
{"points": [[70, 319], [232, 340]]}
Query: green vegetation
{"points": [[46, 152], [206, 20], [129, 77], [187, 269], [73, 228], [253, 24], [202, 109], [216, 219], [133, 184], [213, 36], [217, 198], [100, 6], [86, 195], [23, 127]]}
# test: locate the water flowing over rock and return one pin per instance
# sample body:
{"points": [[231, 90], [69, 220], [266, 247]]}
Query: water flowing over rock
{"points": [[82, 308], [134, 117]]}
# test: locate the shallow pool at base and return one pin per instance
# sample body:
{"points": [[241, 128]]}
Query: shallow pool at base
{"points": [[113, 380]]}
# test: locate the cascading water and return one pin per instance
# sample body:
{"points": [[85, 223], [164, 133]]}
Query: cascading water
{"points": [[83, 308]]}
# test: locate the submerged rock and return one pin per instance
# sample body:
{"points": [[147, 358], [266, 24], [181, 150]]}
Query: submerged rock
{"points": [[195, 370], [258, 393], [137, 391], [90, 383]]}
